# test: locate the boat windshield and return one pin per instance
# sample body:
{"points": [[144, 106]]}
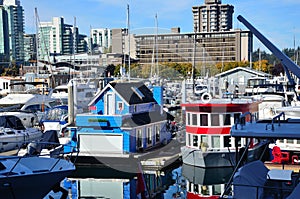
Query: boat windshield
{"points": [[11, 121], [56, 113]]}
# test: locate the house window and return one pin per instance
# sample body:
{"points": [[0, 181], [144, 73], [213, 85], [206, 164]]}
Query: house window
{"points": [[157, 133], [120, 106], [149, 135], [139, 137]]}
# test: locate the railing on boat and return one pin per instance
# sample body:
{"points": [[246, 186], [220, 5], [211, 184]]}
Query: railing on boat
{"points": [[60, 155], [242, 120], [280, 191]]}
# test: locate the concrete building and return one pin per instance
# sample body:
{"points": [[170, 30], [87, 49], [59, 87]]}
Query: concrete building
{"points": [[11, 32], [213, 16], [213, 41], [58, 38], [210, 47], [100, 40]]}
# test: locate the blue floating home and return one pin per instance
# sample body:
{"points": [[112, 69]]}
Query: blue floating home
{"points": [[124, 118]]}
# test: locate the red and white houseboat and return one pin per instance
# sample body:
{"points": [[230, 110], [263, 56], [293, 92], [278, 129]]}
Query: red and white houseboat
{"points": [[208, 124]]}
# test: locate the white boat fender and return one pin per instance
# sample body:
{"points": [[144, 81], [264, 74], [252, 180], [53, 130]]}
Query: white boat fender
{"points": [[206, 97]]}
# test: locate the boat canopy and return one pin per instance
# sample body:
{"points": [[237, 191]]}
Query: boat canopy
{"points": [[11, 121]]}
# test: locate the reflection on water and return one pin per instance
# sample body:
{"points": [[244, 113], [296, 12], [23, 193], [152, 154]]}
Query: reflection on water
{"points": [[181, 183], [202, 182]]}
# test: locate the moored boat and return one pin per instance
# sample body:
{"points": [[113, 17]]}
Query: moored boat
{"points": [[254, 177], [13, 134], [31, 176], [208, 124]]}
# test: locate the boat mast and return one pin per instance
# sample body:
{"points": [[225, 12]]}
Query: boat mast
{"points": [[194, 59], [52, 78], [36, 39], [128, 35], [74, 44], [156, 45]]}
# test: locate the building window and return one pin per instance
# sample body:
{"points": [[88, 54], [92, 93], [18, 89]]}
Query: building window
{"points": [[149, 135], [236, 118], [157, 133], [194, 119], [204, 142], [203, 120], [226, 119], [188, 118], [215, 121], [139, 137], [195, 140], [215, 141]]}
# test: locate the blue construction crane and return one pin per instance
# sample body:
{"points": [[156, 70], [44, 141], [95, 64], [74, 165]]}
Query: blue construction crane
{"points": [[287, 63]]}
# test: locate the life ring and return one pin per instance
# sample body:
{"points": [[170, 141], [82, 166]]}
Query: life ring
{"points": [[206, 97]]}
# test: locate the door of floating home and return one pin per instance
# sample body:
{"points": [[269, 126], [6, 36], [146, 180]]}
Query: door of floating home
{"points": [[95, 143], [109, 104]]}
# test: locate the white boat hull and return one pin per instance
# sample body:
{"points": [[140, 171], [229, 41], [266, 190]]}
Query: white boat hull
{"points": [[17, 140], [218, 159], [208, 159]]}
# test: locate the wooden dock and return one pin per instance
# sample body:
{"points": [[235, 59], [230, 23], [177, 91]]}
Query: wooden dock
{"points": [[156, 159], [293, 167]]}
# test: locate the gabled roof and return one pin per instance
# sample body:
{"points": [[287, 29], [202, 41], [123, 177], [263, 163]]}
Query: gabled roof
{"points": [[249, 70], [146, 118], [130, 92]]}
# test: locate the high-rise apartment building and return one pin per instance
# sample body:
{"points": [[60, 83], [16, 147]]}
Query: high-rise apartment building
{"points": [[213, 16], [11, 32], [29, 49], [58, 38]]}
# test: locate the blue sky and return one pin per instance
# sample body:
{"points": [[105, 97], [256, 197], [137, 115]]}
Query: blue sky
{"points": [[278, 20]]}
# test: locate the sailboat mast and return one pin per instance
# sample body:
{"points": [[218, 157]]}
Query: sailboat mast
{"points": [[128, 34], [36, 39], [156, 44], [74, 44]]}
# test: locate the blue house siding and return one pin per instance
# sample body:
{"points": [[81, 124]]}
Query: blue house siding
{"points": [[133, 141], [84, 120], [126, 141]]}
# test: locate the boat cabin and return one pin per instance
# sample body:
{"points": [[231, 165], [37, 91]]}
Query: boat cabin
{"points": [[208, 124]]}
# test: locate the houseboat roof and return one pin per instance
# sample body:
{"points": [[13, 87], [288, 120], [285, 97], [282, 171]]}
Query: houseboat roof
{"points": [[221, 105], [131, 92], [146, 118]]}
